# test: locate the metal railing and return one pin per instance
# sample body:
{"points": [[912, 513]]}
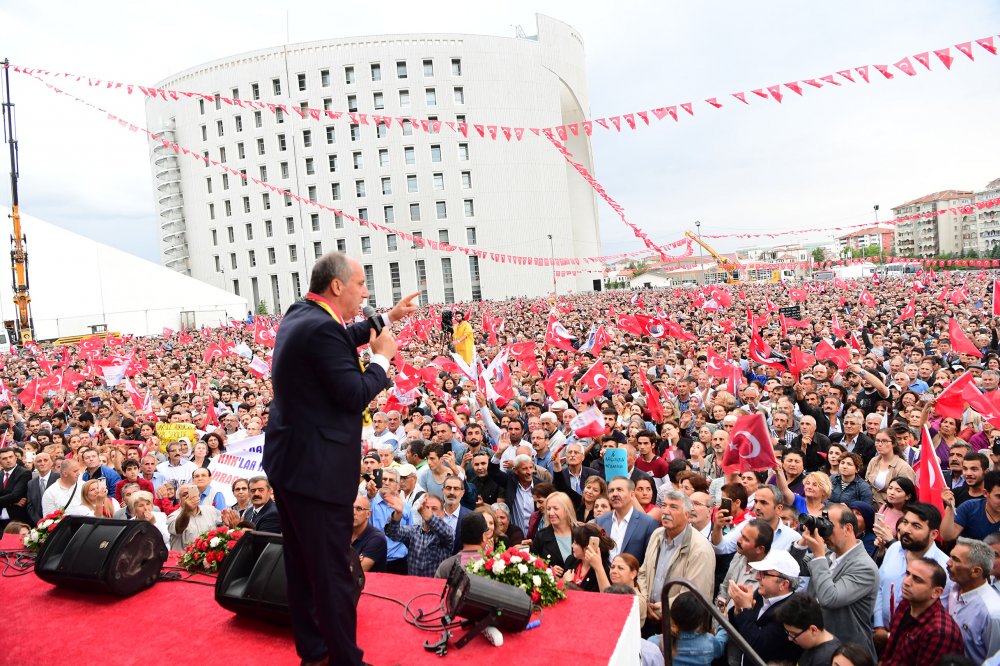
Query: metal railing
{"points": [[750, 656]]}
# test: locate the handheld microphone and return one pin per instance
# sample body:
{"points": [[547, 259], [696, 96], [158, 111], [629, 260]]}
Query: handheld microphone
{"points": [[374, 319]]}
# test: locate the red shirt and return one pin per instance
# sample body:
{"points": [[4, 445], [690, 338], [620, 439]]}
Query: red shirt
{"points": [[143, 485], [657, 467]]}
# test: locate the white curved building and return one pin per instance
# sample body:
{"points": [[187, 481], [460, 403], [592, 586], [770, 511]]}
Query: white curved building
{"points": [[499, 196]]}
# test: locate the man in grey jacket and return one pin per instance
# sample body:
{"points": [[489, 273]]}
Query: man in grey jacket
{"points": [[843, 578]]}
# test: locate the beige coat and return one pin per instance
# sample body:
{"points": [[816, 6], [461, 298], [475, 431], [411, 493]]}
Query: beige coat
{"points": [[694, 560], [898, 467]]}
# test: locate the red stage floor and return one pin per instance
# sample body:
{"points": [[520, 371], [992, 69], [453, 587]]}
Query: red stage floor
{"points": [[181, 622]]}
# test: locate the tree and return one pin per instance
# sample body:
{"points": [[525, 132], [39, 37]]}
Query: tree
{"points": [[638, 268], [262, 307], [819, 254]]}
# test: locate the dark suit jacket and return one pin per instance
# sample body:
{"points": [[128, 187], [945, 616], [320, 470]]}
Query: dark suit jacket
{"points": [[545, 546], [766, 636], [865, 447], [813, 461], [561, 481], [267, 520], [462, 513], [320, 392], [16, 490], [35, 496], [508, 482], [640, 528]]}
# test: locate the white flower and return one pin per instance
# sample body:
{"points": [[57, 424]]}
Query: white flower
{"points": [[477, 565], [536, 581], [499, 566], [515, 559], [45, 524], [551, 575], [207, 564], [522, 568], [214, 543]]}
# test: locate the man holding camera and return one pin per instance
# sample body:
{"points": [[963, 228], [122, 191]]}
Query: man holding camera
{"points": [[843, 577]]}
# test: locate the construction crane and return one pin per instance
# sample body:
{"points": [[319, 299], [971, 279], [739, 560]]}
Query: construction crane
{"points": [[18, 242], [731, 268]]}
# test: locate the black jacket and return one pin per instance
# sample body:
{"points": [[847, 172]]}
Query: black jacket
{"points": [[864, 447], [320, 392], [545, 546], [766, 636], [267, 519], [14, 492], [35, 496]]}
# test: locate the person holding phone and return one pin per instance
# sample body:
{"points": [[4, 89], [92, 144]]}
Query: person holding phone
{"points": [[588, 568]]}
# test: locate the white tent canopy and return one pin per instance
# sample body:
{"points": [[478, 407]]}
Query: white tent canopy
{"points": [[76, 283]]}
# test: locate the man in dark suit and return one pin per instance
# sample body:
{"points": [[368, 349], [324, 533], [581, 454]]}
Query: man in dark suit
{"points": [[572, 477], [454, 491], [262, 511], [312, 453], [517, 484], [626, 524], [854, 440], [41, 479], [14, 489], [753, 613]]}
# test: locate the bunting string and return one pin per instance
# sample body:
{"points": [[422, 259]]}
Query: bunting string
{"points": [[633, 120], [419, 241]]}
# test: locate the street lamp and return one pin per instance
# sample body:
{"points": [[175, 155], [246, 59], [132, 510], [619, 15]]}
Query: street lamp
{"points": [[701, 264], [878, 231]]}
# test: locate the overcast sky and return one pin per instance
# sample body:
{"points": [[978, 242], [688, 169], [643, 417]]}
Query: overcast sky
{"points": [[821, 160]]}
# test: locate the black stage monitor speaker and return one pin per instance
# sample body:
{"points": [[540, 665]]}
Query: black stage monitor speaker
{"points": [[98, 555], [476, 598], [252, 578]]}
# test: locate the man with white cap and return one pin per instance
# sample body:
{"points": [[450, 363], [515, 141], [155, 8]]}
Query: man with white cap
{"points": [[753, 613], [550, 423], [410, 489]]}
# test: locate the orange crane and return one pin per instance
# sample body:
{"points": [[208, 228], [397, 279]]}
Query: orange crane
{"points": [[731, 268], [18, 242]]}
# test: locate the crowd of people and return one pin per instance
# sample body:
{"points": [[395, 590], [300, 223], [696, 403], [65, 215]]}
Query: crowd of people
{"points": [[828, 558]]}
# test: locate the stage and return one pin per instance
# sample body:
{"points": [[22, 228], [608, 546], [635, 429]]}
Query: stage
{"points": [[181, 622]]}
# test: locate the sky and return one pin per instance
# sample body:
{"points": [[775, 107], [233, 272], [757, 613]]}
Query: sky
{"points": [[821, 160]]}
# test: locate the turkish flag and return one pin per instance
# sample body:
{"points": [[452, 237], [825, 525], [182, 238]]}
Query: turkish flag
{"points": [[908, 312], [211, 417], [996, 298], [212, 352], [601, 340], [825, 351], [556, 377], [760, 352], [191, 385], [835, 327], [800, 361], [930, 481], [588, 424], [557, 336], [629, 324], [652, 399], [716, 366], [768, 305], [262, 333], [798, 295], [750, 447], [866, 299], [722, 297], [960, 342], [524, 354], [596, 377]]}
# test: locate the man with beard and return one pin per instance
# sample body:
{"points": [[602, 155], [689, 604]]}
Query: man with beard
{"points": [[975, 464], [916, 532], [478, 471]]}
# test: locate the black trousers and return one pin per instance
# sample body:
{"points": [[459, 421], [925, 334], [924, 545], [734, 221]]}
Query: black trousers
{"points": [[317, 545]]}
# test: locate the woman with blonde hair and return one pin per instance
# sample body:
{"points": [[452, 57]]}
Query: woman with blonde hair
{"points": [[554, 542], [94, 501]]}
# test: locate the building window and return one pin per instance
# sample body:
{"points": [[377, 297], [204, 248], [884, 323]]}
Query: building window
{"points": [[290, 225], [229, 213], [379, 101], [409, 155], [470, 209], [470, 236], [288, 199], [324, 78], [428, 67], [359, 189], [225, 181], [236, 287], [293, 253], [438, 182], [362, 213], [220, 128], [282, 145], [279, 115], [201, 106], [459, 95], [252, 257], [215, 235], [222, 154], [314, 221], [430, 97], [411, 183], [435, 153], [265, 200], [263, 173], [401, 69], [359, 161], [381, 131], [376, 70], [208, 184], [211, 211], [260, 146], [456, 67], [335, 191], [389, 214], [311, 193], [341, 245], [404, 97], [255, 91], [395, 281], [307, 138], [258, 119], [383, 157], [310, 167], [275, 294], [327, 103], [218, 100], [284, 169], [407, 128], [331, 161], [366, 245], [232, 260], [370, 284], [317, 249], [246, 205], [296, 286], [352, 103], [441, 209], [241, 152], [477, 290], [387, 186], [272, 258], [463, 152], [331, 135], [276, 86], [249, 231], [204, 132], [391, 243], [421, 270], [448, 280], [349, 75], [238, 121], [466, 180], [414, 212], [338, 221], [443, 235], [355, 133], [268, 228], [302, 82], [218, 264]]}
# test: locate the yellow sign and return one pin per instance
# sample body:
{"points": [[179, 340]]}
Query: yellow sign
{"points": [[171, 432]]}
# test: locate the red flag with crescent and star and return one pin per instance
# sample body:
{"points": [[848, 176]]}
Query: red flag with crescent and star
{"points": [[749, 446]]}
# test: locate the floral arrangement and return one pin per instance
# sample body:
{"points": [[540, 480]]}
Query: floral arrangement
{"points": [[209, 550], [524, 570], [37, 537]]}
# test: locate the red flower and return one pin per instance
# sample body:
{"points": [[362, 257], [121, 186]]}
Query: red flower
{"points": [[536, 596], [559, 585], [539, 563], [236, 534], [488, 565], [231, 544], [53, 526], [210, 556], [506, 556]]}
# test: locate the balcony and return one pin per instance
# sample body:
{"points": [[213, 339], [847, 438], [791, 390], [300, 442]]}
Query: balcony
{"points": [[170, 204]]}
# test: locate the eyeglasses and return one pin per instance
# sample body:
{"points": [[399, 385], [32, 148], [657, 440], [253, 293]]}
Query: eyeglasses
{"points": [[360, 509], [767, 574], [793, 636]]}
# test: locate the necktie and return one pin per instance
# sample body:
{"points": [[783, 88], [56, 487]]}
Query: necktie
{"points": [[253, 516], [6, 475], [41, 482]]}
